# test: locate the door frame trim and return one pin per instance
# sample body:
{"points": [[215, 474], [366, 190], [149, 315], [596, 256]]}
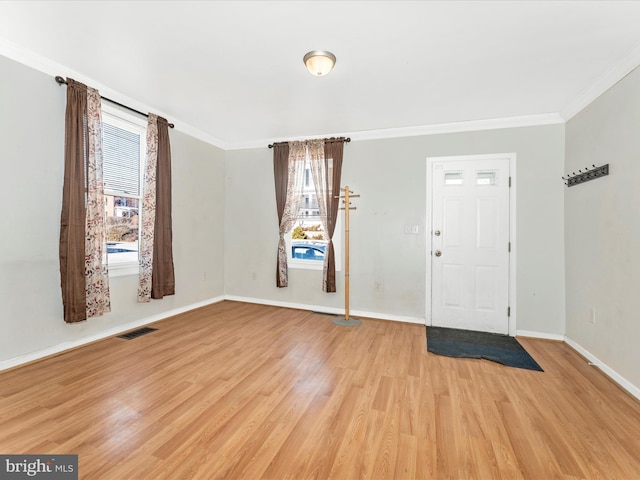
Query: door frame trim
{"points": [[512, 231]]}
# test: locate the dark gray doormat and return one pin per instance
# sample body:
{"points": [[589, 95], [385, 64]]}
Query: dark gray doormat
{"points": [[503, 349]]}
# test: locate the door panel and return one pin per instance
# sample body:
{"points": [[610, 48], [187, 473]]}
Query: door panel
{"points": [[452, 276], [470, 257], [452, 223], [485, 288], [487, 226]]}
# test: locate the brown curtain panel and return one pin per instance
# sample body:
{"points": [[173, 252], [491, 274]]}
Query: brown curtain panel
{"points": [[281, 177], [163, 277], [333, 152], [72, 219]]}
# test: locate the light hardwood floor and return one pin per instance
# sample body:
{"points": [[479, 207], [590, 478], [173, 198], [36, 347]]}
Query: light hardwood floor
{"points": [[241, 391]]}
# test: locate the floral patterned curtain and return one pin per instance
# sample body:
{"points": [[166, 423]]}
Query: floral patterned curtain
{"points": [[157, 277], [96, 264], [319, 172], [83, 255], [147, 226], [326, 168], [295, 179]]}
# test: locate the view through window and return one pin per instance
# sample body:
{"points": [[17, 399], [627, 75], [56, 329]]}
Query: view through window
{"points": [[308, 237]]}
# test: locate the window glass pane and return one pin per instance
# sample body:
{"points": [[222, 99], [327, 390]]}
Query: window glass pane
{"points": [[486, 178], [308, 251], [121, 152], [122, 216], [453, 178], [308, 240]]}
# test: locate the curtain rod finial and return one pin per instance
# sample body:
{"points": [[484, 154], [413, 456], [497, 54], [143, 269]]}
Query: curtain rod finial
{"points": [[60, 80]]}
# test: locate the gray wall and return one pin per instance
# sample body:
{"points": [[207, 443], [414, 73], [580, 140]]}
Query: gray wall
{"points": [[31, 154], [390, 176], [602, 229], [225, 230]]}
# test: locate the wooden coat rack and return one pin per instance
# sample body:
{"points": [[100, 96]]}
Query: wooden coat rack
{"points": [[346, 321]]}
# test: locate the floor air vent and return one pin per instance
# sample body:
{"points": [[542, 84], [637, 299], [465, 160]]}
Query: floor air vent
{"points": [[136, 333]]}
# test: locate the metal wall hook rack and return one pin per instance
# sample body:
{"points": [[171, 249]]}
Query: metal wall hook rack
{"points": [[584, 176]]}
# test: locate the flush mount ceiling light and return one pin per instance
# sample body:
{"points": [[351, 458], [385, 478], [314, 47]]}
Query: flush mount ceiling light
{"points": [[319, 62]]}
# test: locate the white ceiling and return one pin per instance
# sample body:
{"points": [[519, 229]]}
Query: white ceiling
{"points": [[233, 71]]}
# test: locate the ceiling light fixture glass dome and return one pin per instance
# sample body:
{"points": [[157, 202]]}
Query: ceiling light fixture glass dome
{"points": [[319, 62]]}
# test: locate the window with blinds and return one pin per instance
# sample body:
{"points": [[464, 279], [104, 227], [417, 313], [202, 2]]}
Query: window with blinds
{"points": [[123, 149], [121, 154]]}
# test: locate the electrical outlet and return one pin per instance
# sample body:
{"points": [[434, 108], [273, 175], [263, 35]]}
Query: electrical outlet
{"points": [[411, 229], [377, 286]]}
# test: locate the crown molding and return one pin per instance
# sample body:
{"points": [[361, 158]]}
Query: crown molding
{"points": [[420, 130], [48, 67], [597, 88], [464, 126], [602, 83]]}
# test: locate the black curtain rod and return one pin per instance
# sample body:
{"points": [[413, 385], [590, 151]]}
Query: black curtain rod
{"points": [[346, 140], [62, 81]]}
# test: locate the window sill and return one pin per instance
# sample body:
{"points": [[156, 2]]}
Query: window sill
{"points": [[123, 269], [308, 265], [305, 264]]}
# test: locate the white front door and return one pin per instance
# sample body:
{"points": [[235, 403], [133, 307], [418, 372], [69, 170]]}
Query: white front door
{"points": [[470, 244]]}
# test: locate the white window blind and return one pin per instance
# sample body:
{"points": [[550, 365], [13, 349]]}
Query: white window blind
{"points": [[121, 153]]}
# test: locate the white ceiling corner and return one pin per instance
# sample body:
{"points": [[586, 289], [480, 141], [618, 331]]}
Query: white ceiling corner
{"points": [[603, 83]]}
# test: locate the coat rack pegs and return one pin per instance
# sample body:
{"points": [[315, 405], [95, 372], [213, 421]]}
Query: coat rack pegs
{"points": [[586, 175]]}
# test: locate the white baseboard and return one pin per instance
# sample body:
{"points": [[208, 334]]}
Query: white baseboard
{"points": [[544, 336], [331, 310], [607, 370], [55, 349], [46, 352], [30, 357]]}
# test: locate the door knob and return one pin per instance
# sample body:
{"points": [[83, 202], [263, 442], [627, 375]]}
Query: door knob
{"points": [[437, 233], [438, 253]]}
